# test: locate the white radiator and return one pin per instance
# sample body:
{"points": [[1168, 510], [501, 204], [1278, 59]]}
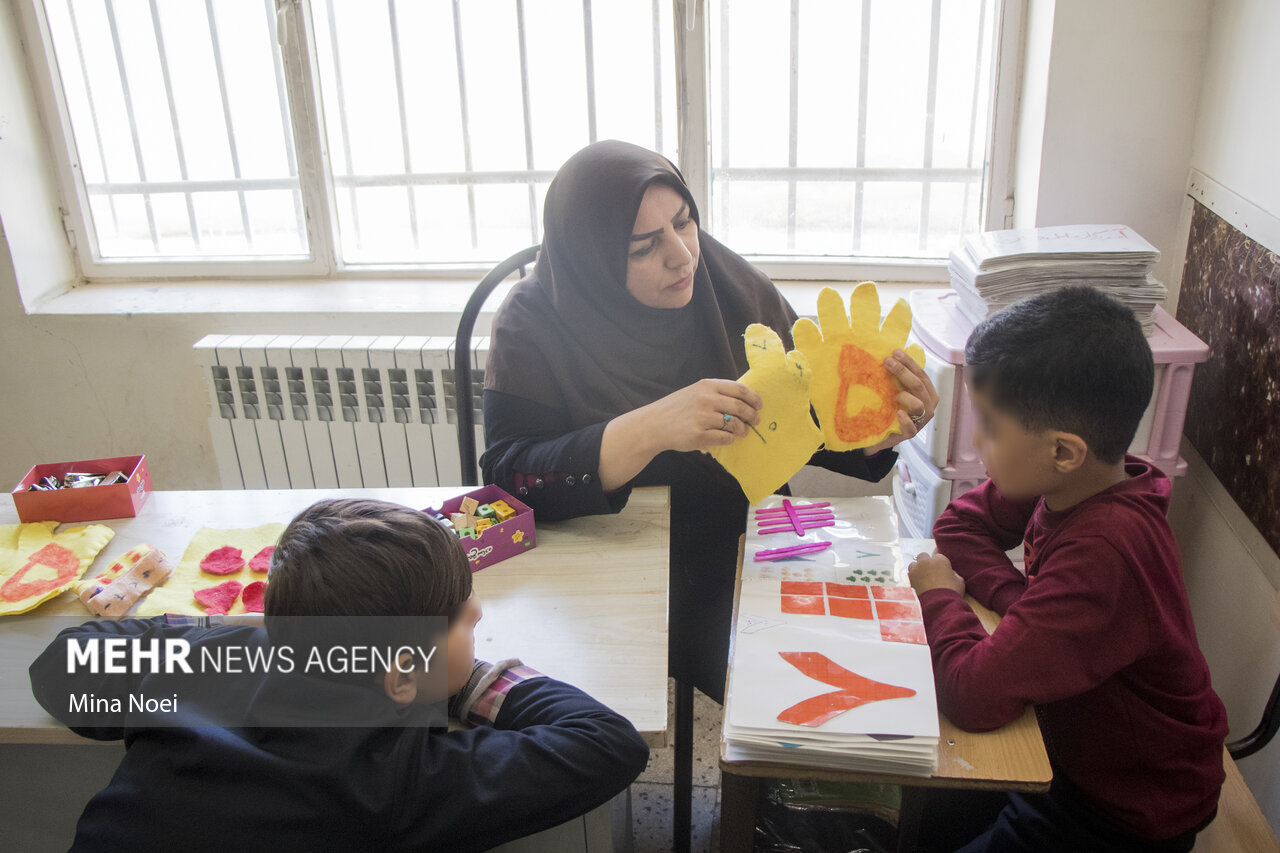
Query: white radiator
{"points": [[337, 411]]}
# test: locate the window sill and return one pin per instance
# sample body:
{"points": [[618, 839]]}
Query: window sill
{"points": [[353, 296]]}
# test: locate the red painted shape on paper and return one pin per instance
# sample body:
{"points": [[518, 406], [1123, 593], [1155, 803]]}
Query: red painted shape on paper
{"points": [[854, 690], [850, 608], [903, 632], [893, 593], [253, 596], [802, 587], [261, 561], [848, 590], [223, 561], [810, 605], [62, 560], [899, 610], [218, 599]]}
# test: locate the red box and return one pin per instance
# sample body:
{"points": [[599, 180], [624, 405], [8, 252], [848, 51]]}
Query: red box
{"points": [[92, 503], [503, 540]]}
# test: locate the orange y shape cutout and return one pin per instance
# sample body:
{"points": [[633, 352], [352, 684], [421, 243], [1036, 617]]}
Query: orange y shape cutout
{"points": [[854, 690]]}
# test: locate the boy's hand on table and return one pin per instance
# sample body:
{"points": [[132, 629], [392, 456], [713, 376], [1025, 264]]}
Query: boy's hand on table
{"points": [[933, 571]]}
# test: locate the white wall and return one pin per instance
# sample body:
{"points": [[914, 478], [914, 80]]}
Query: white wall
{"points": [[1109, 115], [1232, 574], [1237, 139]]}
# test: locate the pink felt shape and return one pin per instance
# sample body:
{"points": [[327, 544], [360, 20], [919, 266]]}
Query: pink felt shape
{"points": [[253, 596], [261, 561], [223, 561], [217, 600]]}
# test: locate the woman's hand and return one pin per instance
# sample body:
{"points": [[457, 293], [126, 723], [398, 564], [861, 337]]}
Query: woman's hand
{"points": [[917, 400], [692, 418]]}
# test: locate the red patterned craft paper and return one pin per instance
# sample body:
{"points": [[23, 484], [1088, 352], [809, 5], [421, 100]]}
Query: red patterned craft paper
{"points": [[808, 605], [903, 632]]}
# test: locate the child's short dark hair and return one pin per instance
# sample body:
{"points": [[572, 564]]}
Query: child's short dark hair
{"points": [[361, 557], [1073, 359]]}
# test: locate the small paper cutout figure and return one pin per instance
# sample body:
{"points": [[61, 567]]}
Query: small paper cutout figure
{"points": [[853, 393], [786, 437], [854, 690]]}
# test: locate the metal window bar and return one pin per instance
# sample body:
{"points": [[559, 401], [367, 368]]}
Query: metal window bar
{"points": [[723, 142], [404, 123], [342, 119], [528, 121], [133, 124], [226, 115], [466, 124], [864, 66], [286, 132], [173, 120], [589, 51], [931, 98], [973, 103], [93, 110], [657, 82], [793, 120]]}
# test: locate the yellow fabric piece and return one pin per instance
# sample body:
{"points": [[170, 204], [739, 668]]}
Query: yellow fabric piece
{"points": [[36, 564], [853, 393], [177, 596], [769, 454]]}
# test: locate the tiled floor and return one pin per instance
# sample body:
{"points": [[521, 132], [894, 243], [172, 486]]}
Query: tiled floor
{"points": [[651, 794]]}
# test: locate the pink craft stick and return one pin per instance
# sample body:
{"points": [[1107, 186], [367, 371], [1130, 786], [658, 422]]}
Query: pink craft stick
{"points": [[790, 529], [793, 551], [782, 510]]}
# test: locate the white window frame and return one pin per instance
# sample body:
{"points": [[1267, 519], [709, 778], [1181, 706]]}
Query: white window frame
{"points": [[295, 34]]}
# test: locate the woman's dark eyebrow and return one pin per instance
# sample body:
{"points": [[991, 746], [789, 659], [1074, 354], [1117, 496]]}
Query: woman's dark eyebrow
{"points": [[635, 238]]}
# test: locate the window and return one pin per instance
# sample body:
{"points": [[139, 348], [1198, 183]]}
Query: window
{"points": [[273, 137]]}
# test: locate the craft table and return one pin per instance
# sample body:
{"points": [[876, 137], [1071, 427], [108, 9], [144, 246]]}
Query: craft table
{"points": [[1009, 759], [588, 605]]}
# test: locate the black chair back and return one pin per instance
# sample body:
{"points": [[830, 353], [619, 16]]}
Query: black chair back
{"points": [[464, 398]]}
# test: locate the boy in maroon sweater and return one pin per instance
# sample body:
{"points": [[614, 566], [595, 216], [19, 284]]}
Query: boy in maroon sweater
{"points": [[1098, 634]]}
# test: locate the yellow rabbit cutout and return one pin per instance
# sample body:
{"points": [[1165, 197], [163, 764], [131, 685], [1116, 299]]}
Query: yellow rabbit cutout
{"points": [[853, 394], [771, 452]]}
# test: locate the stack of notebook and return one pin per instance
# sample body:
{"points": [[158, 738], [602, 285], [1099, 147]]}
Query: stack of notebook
{"points": [[995, 268], [830, 668]]}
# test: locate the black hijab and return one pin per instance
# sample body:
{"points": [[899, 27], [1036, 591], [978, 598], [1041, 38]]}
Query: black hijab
{"points": [[570, 336]]}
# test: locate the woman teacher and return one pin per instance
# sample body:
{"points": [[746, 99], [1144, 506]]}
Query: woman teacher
{"points": [[614, 364]]}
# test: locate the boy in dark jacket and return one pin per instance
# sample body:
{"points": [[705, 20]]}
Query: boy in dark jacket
{"points": [[382, 774], [1097, 635]]}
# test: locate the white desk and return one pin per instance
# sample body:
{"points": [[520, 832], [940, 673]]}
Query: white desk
{"points": [[588, 605]]}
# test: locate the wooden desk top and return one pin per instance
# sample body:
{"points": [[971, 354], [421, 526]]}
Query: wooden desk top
{"points": [[588, 605], [1008, 759]]}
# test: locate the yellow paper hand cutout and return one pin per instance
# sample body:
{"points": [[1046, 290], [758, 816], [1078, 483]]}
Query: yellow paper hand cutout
{"points": [[853, 393], [36, 564], [770, 453]]}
